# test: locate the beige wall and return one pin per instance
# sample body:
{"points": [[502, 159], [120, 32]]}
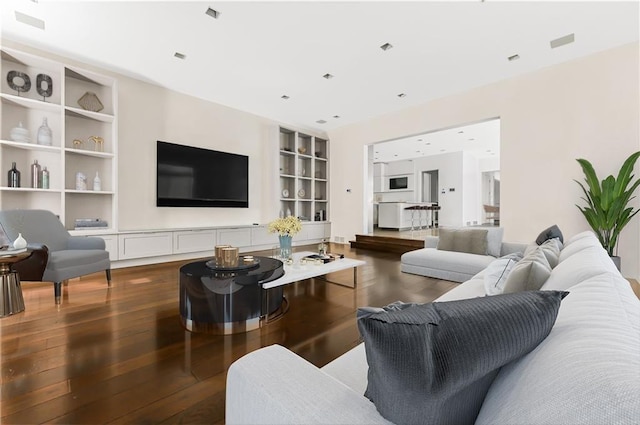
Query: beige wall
{"points": [[586, 108]]}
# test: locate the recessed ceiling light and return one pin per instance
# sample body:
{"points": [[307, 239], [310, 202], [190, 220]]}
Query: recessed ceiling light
{"points": [[395, 154], [321, 122], [442, 150], [562, 41], [386, 46], [471, 139], [461, 131], [336, 116], [489, 150], [513, 58], [180, 55], [428, 143], [402, 95], [213, 13], [284, 96], [29, 20], [327, 76], [419, 140]]}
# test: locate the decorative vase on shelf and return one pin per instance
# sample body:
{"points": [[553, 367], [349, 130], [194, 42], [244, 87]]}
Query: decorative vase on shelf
{"points": [[44, 133], [97, 183], [20, 242], [285, 246]]}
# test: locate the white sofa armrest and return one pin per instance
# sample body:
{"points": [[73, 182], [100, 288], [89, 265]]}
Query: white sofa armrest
{"points": [[431, 242], [273, 385]]}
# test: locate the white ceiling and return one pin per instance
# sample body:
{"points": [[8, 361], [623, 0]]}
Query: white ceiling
{"points": [[258, 51], [481, 140]]}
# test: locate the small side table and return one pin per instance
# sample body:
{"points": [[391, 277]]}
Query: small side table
{"points": [[11, 300]]}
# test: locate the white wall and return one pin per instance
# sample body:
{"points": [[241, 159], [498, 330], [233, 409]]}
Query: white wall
{"points": [[471, 190], [586, 108], [449, 166]]}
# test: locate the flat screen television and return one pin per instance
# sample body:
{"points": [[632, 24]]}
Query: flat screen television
{"points": [[195, 177]]}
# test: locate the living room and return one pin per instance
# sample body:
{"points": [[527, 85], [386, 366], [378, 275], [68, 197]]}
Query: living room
{"points": [[581, 102]]}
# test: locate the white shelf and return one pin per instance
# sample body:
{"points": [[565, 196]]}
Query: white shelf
{"points": [[89, 192], [81, 113], [28, 189], [89, 153], [25, 102], [67, 122], [300, 169], [30, 146]]}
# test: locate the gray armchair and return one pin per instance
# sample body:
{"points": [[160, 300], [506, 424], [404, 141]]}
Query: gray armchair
{"points": [[69, 256]]}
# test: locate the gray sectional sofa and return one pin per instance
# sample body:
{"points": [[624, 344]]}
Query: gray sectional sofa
{"points": [[586, 371], [453, 265]]}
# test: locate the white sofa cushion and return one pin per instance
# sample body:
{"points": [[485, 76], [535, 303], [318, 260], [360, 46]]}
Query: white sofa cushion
{"points": [[587, 371], [592, 261], [460, 262], [529, 274]]}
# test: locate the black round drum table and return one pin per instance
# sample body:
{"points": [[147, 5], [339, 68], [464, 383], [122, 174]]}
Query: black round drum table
{"points": [[229, 301]]}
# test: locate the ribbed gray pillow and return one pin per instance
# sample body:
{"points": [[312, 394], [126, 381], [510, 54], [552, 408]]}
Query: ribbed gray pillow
{"points": [[434, 363]]}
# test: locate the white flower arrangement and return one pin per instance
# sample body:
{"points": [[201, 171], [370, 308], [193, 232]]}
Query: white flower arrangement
{"points": [[285, 226]]}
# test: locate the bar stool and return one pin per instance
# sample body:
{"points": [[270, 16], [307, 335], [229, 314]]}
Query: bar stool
{"points": [[11, 300], [413, 210]]}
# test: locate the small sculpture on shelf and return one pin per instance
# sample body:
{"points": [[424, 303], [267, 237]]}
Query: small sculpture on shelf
{"points": [[19, 81], [77, 143], [99, 143], [90, 102], [44, 86]]}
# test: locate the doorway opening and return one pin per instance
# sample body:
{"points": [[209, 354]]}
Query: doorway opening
{"points": [[430, 186]]}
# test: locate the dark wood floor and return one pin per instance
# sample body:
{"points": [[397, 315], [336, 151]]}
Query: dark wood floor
{"points": [[120, 355]]}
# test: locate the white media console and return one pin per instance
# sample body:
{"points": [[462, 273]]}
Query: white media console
{"points": [[139, 247]]}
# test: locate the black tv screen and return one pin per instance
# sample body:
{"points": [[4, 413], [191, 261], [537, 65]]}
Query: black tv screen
{"points": [[196, 177]]}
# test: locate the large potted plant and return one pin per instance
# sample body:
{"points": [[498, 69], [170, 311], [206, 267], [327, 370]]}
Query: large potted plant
{"points": [[607, 210]]}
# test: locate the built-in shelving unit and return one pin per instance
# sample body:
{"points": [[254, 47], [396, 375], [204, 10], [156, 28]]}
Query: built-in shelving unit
{"points": [[72, 149], [304, 182]]}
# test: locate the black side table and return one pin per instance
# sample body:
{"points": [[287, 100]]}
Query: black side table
{"points": [[227, 302]]}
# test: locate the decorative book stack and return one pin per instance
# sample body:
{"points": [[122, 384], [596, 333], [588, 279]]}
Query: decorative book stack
{"points": [[90, 223]]}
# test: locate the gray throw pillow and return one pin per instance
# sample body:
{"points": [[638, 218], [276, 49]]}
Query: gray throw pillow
{"points": [[550, 233], [472, 241], [496, 273], [529, 274], [434, 363]]}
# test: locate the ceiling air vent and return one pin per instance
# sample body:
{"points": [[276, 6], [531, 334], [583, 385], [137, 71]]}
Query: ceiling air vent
{"points": [[29, 20], [567, 39]]}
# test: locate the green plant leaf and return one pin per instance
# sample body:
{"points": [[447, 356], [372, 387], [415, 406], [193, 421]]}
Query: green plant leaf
{"points": [[607, 210], [625, 176], [590, 176]]}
